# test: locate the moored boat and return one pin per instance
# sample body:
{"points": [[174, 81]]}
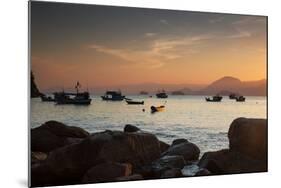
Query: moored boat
{"points": [[45, 98], [134, 102], [162, 94], [78, 98], [240, 99], [216, 98], [113, 96], [232, 96]]}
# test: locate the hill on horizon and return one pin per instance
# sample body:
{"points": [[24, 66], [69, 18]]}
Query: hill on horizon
{"points": [[224, 86]]}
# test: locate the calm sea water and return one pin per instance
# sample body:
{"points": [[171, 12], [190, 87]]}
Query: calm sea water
{"points": [[203, 123]]}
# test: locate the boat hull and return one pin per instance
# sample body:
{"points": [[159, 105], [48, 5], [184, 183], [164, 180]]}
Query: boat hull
{"points": [[76, 102], [112, 99], [213, 100], [135, 102]]}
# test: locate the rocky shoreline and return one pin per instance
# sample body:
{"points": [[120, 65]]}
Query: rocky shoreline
{"points": [[64, 155]]}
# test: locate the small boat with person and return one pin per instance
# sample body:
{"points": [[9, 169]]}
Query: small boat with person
{"points": [[157, 108], [162, 94], [113, 96], [216, 98]]}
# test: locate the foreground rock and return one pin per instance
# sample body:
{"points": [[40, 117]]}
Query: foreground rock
{"points": [[130, 128], [249, 137], [37, 157], [188, 150], [107, 172], [230, 162], [68, 164], [130, 178], [247, 152], [171, 173], [170, 161], [52, 135]]}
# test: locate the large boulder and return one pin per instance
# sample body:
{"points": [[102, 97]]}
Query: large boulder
{"points": [[130, 128], [163, 146], [179, 141], [132, 177], [71, 162], [170, 161], [247, 149], [107, 172], [229, 162], [53, 134], [249, 137], [171, 173], [186, 149], [37, 157]]}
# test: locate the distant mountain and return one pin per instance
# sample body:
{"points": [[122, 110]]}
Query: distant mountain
{"points": [[151, 88], [224, 86], [227, 85]]}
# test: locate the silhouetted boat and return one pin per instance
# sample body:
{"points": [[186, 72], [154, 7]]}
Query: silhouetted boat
{"points": [[162, 94], [78, 98], [157, 108], [216, 98], [240, 99], [45, 98], [113, 96], [134, 102], [232, 96]]}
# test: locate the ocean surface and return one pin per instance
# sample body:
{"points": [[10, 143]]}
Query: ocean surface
{"points": [[191, 117]]}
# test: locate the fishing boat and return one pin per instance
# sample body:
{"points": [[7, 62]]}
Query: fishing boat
{"points": [[216, 98], [161, 94], [134, 102], [232, 96], [113, 96], [240, 99], [45, 98], [78, 98], [157, 108]]}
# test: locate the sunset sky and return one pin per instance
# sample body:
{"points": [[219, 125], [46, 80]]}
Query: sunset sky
{"points": [[109, 46]]}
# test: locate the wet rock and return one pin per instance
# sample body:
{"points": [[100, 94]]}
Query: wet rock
{"points": [[172, 173], [130, 178], [53, 134], [186, 149], [130, 128], [203, 172], [37, 157], [179, 141], [72, 161], [249, 137], [163, 146], [107, 172], [170, 161], [229, 162]]}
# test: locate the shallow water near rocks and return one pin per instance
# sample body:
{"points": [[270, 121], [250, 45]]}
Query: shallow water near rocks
{"points": [[191, 117]]}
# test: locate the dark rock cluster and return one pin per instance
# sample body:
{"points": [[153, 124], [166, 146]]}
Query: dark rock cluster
{"points": [[64, 154]]}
